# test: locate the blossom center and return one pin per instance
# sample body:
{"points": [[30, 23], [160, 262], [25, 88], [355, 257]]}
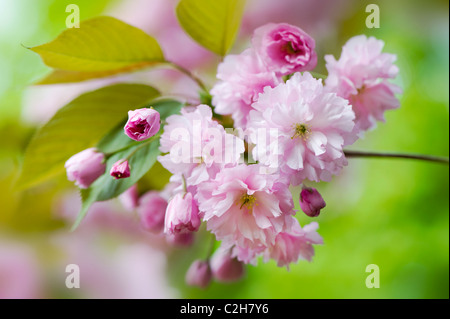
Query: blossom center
{"points": [[289, 48], [302, 131], [140, 127], [248, 201]]}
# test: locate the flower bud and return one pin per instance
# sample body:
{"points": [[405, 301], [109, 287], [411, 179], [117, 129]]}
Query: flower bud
{"points": [[152, 209], [181, 240], [120, 169], [311, 202], [142, 124], [181, 215], [85, 167], [225, 268], [130, 198], [199, 274]]}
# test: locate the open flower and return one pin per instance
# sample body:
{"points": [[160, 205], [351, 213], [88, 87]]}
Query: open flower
{"points": [[295, 243], [242, 77], [284, 48], [308, 128], [361, 75], [244, 207], [142, 124], [198, 146], [85, 167]]}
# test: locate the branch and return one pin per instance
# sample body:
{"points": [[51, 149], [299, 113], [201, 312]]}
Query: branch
{"points": [[436, 159]]}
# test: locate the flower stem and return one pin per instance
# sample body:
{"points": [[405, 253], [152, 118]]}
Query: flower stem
{"points": [[184, 183], [142, 145], [138, 144], [189, 74], [211, 247], [436, 159]]}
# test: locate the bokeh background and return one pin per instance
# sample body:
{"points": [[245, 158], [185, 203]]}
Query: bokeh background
{"points": [[393, 213]]}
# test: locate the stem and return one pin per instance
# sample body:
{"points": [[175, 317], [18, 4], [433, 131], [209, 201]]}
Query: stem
{"points": [[108, 155], [142, 145], [139, 144], [184, 183], [189, 74], [211, 248], [436, 159]]}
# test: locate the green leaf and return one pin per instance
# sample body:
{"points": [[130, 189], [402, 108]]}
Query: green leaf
{"points": [[77, 126], [62, 76], [101, 46], [212, 23], [106, 187], [143, 157]]}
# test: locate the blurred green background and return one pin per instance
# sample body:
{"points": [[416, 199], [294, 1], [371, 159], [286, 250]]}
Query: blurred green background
{"points": [[393, 213]]}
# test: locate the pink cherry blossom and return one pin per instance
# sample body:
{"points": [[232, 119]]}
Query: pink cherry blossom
{"points": [[152, 211], [284, 48], [198, 146], [120, 169], [199, 274], [296, 243], [142, 124], [181, 215], [242, 207], [241, 78], [85, 167], [308, 129], [361, 75], [311, 202]]}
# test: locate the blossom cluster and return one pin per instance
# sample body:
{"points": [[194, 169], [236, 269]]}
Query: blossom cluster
{"points": [[290, 129]]}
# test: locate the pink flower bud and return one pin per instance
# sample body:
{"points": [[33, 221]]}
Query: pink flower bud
{"points": [[142, 124], [85, 167], [311, 202], [181, 215], [130, 198], [226, 268], [120, 169], [152, 209], [284, 48], [181, 240], [199, 274]]}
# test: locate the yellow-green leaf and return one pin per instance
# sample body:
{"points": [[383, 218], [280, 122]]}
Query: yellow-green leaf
{"points": [[62, 76], [101, 44], [212, 23], [79, 125]]}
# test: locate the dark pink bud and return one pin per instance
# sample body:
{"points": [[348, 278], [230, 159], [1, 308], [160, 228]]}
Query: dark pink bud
{"points": [[311, 202], [120, 169], [85, 167], [225, 268], [142, 124], [199, 274], [152, 210], [130, 198]]}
